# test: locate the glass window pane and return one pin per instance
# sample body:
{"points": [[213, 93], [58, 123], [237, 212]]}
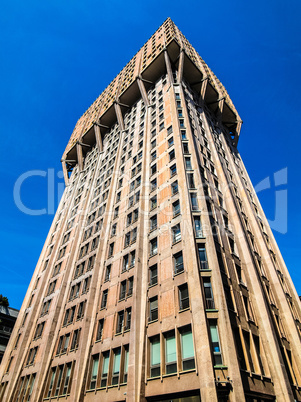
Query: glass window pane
{"points": [[116, 365], [170, 344], [155, 351], [187, 344]]}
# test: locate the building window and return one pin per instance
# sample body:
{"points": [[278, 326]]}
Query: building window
{"points": [[153, 275], [191, 183], [153, 185], [194, 202], [183, 297], [104, 298], [108, 273], [170, 143], [128, 319], [188, 165], [155, 360], [172, 155], [178, 263], [126, 363], [170, 353], [120, 322], [185, 148], [75, 339], [153, 156], [187, 349], [122, 290], [127, 239], [153, 202], [174, 188], [153, 309], [130, 286], [153, 247], [116, 366], [208, 294], [153, 222], [95, 363], [203, 258], [99, 330], [176, 208], [198, 227], [153, 169], [217, 355], [176, 233], [111, 250], [183, 134], [173, 170]]}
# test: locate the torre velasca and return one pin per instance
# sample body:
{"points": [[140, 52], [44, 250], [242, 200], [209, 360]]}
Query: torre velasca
{"points": [[160, 279]]}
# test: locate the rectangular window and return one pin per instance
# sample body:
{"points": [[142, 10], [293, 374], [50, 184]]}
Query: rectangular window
{"points": [[126, 363], [170, 353], [120, 322], [155, 358], [198, 227], [104, 298], [67, 379], [153, 309], [178, 263], [153, 202], [116, 366], [153, 275], [208, 294], [130, 286], [183, 296], [185, 148], [153, 185], [203, 258], [127, 326], [111, 250], [176, 233], [153, 247], [194, 202], [153, 169], [153, 222], [108, 273], [132, 258], [95, 363], [174, 188], [122, 290], [99, 329], [176, 208], [187, 349], [191, 183], [188, 165], [173, 170], [105, 369], [172, 155], [217, 355]]}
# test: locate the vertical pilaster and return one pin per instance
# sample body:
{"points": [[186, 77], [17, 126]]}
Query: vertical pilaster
{"points": [[80, 158], [98, 137], [142, 91], [168, 66], [119, 115], [181, 65], [65, 172]]}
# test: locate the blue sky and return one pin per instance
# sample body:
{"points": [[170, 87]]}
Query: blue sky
{"points": [[57, 57]]}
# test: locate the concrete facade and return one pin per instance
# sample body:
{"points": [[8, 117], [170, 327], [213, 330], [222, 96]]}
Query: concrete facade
{"points": [[160, 278]]}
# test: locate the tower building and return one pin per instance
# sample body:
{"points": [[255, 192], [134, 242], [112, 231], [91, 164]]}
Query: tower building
{"points": [[160, 278]]}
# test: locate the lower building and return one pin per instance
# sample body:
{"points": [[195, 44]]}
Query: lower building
{"points": [[8, 318]]}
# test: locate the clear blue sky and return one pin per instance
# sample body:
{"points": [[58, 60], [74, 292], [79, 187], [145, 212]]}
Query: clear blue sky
{"points": [[57, 57]]}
